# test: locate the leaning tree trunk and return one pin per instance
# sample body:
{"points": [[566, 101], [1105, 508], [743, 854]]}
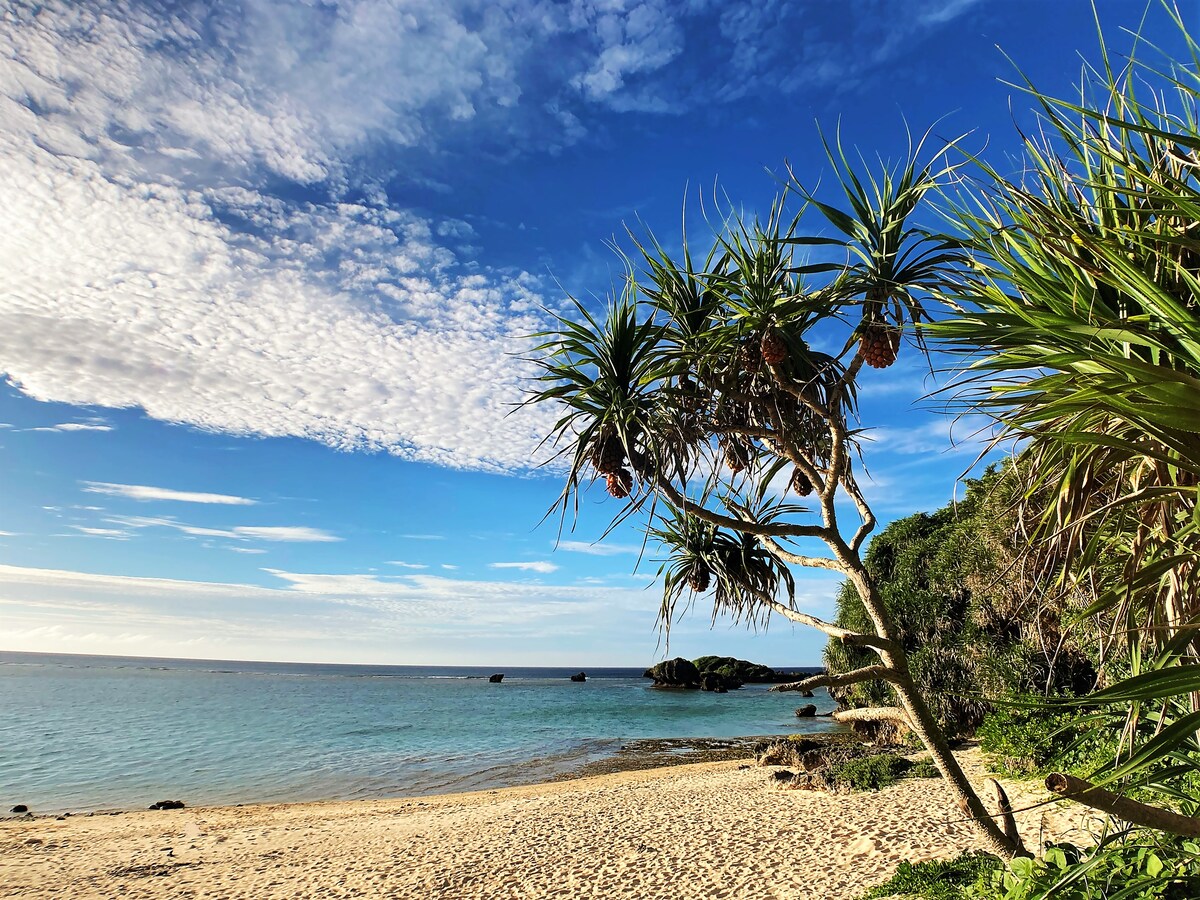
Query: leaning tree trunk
{"points": [[923, 722], [913, 710]]}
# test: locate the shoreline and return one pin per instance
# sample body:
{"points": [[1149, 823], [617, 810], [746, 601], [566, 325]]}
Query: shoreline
{"points": [[717, 830], [635, 754]]}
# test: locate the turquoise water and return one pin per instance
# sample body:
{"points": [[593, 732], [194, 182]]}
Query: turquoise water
{"points": [[86, 733]]}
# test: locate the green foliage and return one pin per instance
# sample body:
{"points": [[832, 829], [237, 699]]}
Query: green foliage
{"points": [[736, 669], [1080, 315], [943, 879], [960, 609], [1135, 867], [870, 773], [1023, 742], [924, 768]]}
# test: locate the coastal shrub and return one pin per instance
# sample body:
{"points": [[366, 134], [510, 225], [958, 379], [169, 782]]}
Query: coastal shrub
{"points": [[1138, 866], [870, 773], [924, 768], [941, 879], [1025, 742], [961, 610], [734, 669]]}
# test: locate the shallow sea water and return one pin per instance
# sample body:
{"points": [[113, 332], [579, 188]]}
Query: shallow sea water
{"points": [[87, 733]]}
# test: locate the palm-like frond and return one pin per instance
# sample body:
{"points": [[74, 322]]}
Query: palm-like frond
{"points": [[891, 261], [730, 566], [1080, 309]]}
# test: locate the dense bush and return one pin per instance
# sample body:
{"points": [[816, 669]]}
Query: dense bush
{"points": [[924, 768], [963, 612], [1024, 742]]}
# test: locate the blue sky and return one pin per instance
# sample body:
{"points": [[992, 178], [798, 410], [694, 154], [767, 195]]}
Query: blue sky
{"points": [[266, 269]]}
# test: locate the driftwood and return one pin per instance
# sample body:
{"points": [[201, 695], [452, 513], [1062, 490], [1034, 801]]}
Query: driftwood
{"points": [[1122, 807]]}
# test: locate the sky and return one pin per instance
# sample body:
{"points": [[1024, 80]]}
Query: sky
{"points": [[268, 270]]}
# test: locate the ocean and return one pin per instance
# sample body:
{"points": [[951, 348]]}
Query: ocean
{"points": [[85, 733]]}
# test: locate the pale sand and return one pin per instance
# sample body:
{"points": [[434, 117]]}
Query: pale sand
{"points": [[708, 831]]}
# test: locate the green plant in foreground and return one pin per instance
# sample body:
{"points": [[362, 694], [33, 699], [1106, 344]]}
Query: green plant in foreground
{"points": [[941, 879], [1124, 868]]}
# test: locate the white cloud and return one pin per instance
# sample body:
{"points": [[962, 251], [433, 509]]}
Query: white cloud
{"points": [[145, 492], [73, 426], [101, 532], [284, 533], [942, 435], [406, 565], [310, 616], [146, 266], [600, 548], [541, 566]]}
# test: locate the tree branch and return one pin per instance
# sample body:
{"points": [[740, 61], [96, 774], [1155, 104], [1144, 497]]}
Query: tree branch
{"points": [[867, 673], [812, 562], [845, 635], [874, 714], [864, 510], [680, 501], [1122, 807]]}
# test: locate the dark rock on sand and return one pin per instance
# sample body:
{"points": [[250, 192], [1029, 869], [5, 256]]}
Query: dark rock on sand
{"points": [[806, 693], [20, 808], [497, 678], [582, 676], [807, 711], [168, 804]]}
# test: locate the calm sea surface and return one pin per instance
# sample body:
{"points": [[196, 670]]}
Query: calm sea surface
{"points": [[89, 732]]}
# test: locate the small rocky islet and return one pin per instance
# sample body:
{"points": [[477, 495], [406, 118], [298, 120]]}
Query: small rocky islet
{"points": [[719, 674]]}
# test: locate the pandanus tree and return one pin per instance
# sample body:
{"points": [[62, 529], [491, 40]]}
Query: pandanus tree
{"points": [[1081, 311], [701, 399]]}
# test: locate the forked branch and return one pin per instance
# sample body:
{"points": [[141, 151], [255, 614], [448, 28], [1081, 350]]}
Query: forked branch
{"points": [[867, 673]]}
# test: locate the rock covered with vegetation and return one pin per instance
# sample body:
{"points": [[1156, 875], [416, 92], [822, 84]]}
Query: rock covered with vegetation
{"points": [[838, 766], [714, 673]]}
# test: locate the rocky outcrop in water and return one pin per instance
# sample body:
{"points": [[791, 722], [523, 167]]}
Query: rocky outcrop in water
{"points": [[677, 672], [582, 676], [497, 678], [20, 808], [167, 804], [682, 673], [807, 711], [711, 681]]}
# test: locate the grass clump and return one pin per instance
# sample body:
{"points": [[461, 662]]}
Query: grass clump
{"points": [[942, 879], [924, 768], [870, 773]]}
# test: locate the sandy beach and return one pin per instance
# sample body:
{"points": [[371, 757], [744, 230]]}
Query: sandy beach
{"points": [[708, 830]]}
